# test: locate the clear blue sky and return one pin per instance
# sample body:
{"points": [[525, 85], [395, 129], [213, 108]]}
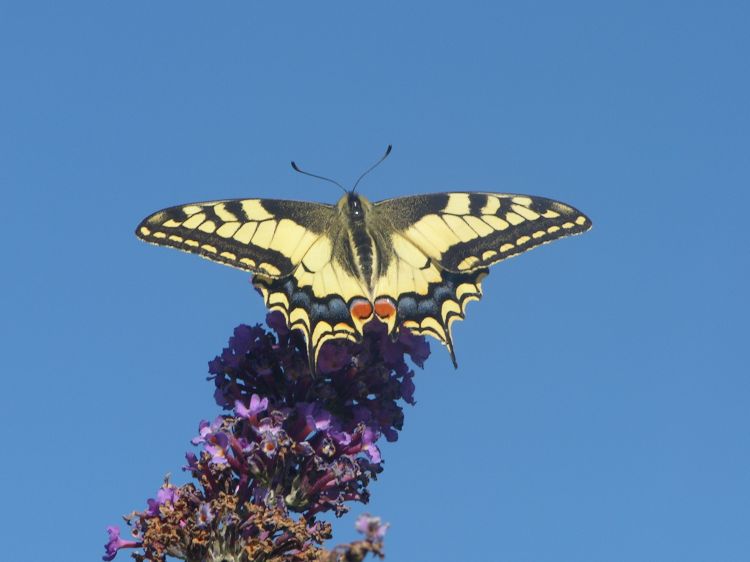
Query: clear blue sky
{"points": [[601, 407]]}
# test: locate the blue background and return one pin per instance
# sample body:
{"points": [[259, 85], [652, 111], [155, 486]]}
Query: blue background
{"points": [[600, 410]]}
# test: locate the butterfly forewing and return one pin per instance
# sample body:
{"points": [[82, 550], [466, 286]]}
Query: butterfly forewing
{"points": [[470, 231], [264, 236]]}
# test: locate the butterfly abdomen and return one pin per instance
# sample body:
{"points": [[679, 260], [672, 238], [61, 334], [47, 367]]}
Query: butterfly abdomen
{"points": [[363, 249]]}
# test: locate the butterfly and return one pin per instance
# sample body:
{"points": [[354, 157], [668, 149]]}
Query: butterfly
{"points": [[413, 261]]}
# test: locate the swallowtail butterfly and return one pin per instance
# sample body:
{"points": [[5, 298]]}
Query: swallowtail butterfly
{"points": [[413, 261]]}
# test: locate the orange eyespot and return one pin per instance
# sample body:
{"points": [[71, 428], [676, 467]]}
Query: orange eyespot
{"points": [[385, 308], [361, 309]]}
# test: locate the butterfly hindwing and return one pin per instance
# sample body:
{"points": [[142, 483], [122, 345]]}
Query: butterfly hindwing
{"points": [[316, 296], [320, 318], [445, 302]]}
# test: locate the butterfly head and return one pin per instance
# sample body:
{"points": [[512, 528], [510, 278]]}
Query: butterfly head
{"points": [[356, 211], [354, 206]]}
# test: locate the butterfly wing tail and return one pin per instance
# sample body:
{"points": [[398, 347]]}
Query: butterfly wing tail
{"points": [[433, 314]]}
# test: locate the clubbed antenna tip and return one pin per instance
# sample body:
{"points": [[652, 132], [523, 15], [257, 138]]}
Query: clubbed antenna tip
{"points": [[371, 168]]}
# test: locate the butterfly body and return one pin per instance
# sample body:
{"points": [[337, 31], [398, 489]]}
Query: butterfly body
{"points": [[412, 261]]}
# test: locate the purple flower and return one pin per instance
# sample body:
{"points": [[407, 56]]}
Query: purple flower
{"points": [[368, 445], [217, 448], [333, 357], [372, 527], [373, 452], [407, 388], [257, 405], [166, 494], [341, 438], [268, 426], [311, 418], [115, 543], [355, 399], [277, 323], [206, 430], [287, 443], [416, 346], [269, 445], [204, 516], [269, 434], [192, 462]]}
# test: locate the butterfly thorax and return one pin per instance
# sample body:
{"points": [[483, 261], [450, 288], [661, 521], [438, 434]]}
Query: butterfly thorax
{"points": [[364, 252]]}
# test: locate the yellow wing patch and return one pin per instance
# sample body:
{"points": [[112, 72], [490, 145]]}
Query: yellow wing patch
{"points": [[411, 271]]}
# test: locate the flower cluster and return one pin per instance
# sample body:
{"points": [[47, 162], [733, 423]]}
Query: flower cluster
{"points": [[290, 442]]}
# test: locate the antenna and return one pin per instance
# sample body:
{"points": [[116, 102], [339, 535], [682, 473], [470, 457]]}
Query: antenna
{"points": [[375, 165], [296, 169]]}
